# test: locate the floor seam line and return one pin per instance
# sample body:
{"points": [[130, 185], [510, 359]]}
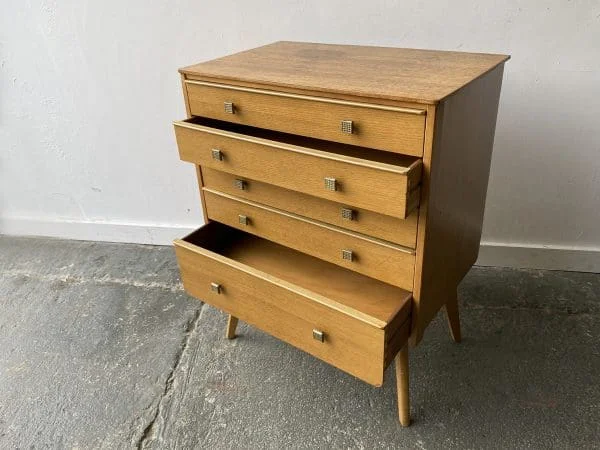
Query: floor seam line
{"points": [[105, 280]]}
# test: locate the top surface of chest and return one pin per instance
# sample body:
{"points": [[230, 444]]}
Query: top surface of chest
{"points": [[398, 74]]}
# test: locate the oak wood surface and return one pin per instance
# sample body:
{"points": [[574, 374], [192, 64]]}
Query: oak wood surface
{"points": [[231, 326], [185, 97], [375, 258], [200, 180], [382, 187], [402, 386], [399, 231], [335, 287], [197, 168], [380, 129], [337, 151], [257, 279], [456, 168], [395, 340], [438, 106], [410, 75]]}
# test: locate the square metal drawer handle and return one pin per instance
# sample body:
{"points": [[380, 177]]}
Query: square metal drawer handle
{"points": [[348, 255], [348, 214], [318, 335], [217, 154], [229, 107], [331, 184], [243, 219], [216, 288], [240, 184], [347, 126]]}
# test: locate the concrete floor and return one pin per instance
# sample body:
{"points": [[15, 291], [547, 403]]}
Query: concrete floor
{"points": [[101, 348]]}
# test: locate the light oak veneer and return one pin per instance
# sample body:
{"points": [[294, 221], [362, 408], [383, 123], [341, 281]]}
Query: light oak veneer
{"points": [[365, 178], [364, 221], [304, 152], [288, 293]]}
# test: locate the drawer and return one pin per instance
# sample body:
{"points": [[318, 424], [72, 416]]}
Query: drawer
{"points": [[288, 294], [369, 179], [403, 232], [394, 129], [379, 259]]}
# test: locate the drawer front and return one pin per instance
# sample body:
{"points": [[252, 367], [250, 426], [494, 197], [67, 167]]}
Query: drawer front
{"points": [[393, 193], [402, 232], [386, 262], [398, 130], [348, 344]]}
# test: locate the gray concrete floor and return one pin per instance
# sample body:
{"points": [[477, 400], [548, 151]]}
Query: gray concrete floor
{"points": [[101, 348]]}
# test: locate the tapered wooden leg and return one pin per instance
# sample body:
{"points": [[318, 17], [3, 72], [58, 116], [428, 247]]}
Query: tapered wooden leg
{"points": [[401, 362], [453, 317], [231, 325]]}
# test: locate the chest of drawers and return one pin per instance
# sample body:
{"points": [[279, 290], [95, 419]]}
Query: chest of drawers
{"points": [[343, 189]]}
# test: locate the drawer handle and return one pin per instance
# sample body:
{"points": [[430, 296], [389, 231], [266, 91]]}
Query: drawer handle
{"points": [[229, 107], [243, 219], [318, 335], [242, 185], [348, 214], [348, 255], [217, 154], [331, 184], [216, 288], [347, 126]]}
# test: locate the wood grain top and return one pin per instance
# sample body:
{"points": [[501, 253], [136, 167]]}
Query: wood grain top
{"points": [[397, 74]]}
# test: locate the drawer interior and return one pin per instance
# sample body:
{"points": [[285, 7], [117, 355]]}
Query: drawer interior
{"points": [[345, 290], [352, 151]]}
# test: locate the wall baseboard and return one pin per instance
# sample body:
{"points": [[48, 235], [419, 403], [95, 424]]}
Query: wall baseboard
{"points": [[581, 259], [136, 233], [577, 259]]}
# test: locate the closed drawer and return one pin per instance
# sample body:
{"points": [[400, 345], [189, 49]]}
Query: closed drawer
{"points": [[403, 232], [366, 255], [289, 295], [398, 130], [365, 178]]}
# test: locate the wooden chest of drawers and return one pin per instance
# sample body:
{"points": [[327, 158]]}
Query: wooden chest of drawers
{"points": [[344, 190]]}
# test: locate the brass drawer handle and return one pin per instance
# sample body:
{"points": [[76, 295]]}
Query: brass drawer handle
{"points": [[348, 255], [216, 288], [217, 154], [242, 185], [229, 107], [318, 335], [348, 214], [243, 219], [347, 126], [331, 184]]}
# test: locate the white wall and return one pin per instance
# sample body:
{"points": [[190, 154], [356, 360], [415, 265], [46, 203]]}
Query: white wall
{"points": [[88, 91]]}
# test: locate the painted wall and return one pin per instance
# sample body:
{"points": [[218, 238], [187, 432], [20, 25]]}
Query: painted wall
{"points": [[88, 91]]}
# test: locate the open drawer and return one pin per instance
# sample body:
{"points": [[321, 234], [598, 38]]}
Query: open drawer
{"points": [[351, 321], [378, 181]]}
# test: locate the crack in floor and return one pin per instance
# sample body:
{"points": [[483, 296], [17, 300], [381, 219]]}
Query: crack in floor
{"points": [[151, 431]]}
